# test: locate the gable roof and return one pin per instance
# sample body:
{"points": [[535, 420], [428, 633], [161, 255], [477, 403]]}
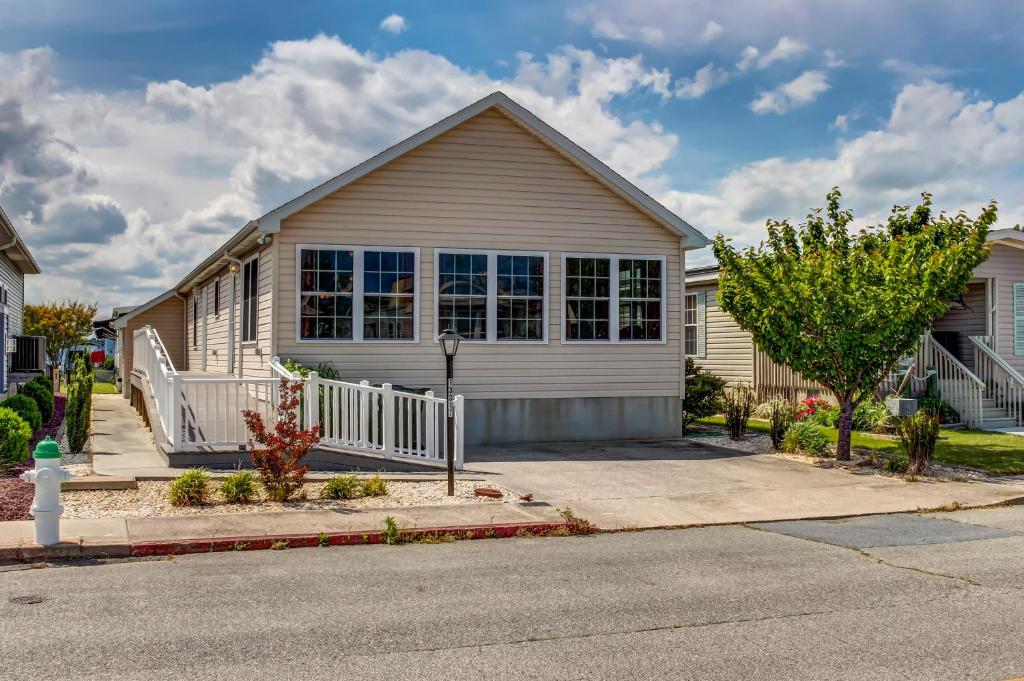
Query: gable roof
{"points": [[1007, 237], [10, 240], [271, 222], [122, 321]]}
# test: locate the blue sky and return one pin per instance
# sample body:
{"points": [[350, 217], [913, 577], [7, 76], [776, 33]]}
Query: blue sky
{"points": [[135, 137]]}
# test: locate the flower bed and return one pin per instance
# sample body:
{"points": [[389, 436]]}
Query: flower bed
{"points": [[15, 493], [151, 499]]}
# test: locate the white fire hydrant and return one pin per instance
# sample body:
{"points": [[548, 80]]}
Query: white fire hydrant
{"points": [[47, 476]]}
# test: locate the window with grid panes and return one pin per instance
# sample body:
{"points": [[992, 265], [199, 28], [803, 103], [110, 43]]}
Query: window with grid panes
{"points": [[462, 294], [587, 298], [326, 279], [389, 286], [520, 297], [639, 299]]}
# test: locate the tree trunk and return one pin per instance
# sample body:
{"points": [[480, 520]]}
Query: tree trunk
{"points": [[845, 430]]}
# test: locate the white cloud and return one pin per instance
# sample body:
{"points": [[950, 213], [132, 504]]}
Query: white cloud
{"points": [[748, 58], [707, 78], [802, 90], [912, 71], [787, 48], [834, 59], [712, 30], [841, 123], [936, 139], [393, 23], [144, 184]]}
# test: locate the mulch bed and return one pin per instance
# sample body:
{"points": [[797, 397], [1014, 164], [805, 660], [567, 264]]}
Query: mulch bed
{"points": [[15, 493]]}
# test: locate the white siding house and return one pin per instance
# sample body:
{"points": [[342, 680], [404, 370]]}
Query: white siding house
{"points": [[15, 262]]}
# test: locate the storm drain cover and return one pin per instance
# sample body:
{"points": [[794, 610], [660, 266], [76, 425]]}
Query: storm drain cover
{"points": [[30, 599], [903, 529]]}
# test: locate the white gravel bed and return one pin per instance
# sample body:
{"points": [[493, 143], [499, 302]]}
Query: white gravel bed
{"points": [[752, 443], [150, 500]]}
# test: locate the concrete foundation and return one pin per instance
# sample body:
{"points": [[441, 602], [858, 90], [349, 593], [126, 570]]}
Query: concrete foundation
{"points": [[573, 419]]}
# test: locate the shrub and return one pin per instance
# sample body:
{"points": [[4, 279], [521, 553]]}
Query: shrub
{"points": [[239, 487], [919, 433], [108, 363], [15, 434], [341, 487], [42, 396], [391, 534], [374, 487], [78, 412], [26, 408], [190, 489], [43, 381], [807, 438], [810, 406], [703, 394], [826, 415], [897, 463], [282, 445], [779, 413], [940, 408], [739, 402], [872, 416]]}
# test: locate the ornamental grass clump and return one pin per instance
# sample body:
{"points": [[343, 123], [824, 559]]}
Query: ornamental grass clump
{"points": [[239, 487], [804, 437], [340, 487], [779, 413], [739, 403], [189, 489], [919, 433], [374, 487], [277, 450]]}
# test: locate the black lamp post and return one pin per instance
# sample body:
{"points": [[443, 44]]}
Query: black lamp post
{"points": [[449, 341]]}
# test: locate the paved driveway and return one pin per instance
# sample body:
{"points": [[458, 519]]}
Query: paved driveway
{"points": [[664, 483]]}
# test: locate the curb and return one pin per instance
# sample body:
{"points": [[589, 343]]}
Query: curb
{"points": [[31, 552]]}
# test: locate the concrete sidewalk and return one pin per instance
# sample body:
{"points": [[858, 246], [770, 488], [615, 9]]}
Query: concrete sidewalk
{"points": [[122, 537], [120, 445]]}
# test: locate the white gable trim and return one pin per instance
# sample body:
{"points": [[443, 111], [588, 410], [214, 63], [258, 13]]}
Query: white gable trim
{"points": [[271, 222]]}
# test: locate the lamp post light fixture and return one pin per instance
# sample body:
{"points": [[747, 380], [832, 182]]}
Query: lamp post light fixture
{"points": [[449, 341]]}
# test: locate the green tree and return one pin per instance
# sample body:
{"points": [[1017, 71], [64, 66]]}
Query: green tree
{"points": [[63, 325], [842, 309]]}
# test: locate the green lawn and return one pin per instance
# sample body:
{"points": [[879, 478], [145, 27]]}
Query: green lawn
{"points": [[993, 452], [104, 389]]}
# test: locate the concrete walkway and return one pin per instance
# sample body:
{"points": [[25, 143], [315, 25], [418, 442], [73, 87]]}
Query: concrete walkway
{"points": [[673, 483], [119, 537], [120, 445]]}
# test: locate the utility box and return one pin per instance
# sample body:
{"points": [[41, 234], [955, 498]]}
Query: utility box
{"points": [[901, 406]]}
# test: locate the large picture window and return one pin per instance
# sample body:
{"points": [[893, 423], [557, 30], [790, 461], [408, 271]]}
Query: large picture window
{"points": [[350, 293], [492, 296], [250, 299], [613, 298]]}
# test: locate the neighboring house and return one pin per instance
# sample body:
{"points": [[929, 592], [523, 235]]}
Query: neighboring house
{"points": [[977, 348], [16, 261], [564, 279]]}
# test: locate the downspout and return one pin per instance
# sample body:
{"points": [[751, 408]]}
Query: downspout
{"points": [[233, 329]]}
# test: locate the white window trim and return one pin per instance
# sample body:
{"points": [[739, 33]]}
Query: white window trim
{"points": [[613, 300], [241, 297], [492, 295], [357, 295], [695, 325]]}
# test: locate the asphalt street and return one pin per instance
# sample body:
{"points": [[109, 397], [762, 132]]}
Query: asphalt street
{"points": [[894, 597]]}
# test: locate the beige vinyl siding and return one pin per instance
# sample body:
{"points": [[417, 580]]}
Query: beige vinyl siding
{"points": [[14, 281], [1006, 265], [487, 184], [966, 321], [254, 355], [729, 349], [166, 318]]}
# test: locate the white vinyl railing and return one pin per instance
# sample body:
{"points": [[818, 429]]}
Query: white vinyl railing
{"points": [[199, 412], [1003, 384]]}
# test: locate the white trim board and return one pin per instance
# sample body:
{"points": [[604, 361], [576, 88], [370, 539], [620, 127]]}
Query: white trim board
{"points": [[271, 222]]}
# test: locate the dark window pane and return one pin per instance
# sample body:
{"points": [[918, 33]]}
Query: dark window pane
{"points": [[536, 286], [572, 287], [388, 261], [536, 329], [653, 330], [343, 329], [603, 268], [343, 306], [387, 282], [406, 262], [344, 260], [587, 267], [325, 260], [325, 306], [326, 282], [602, 289], [371, 282], [463, 263], [601, 330], [504, 264], [308, 259], [537, 266], [343, 282], [480, 264], [309, 281], [504, 328], [447, 263], [520, 266], [325, 327], [587, 287], [308, 305], [371, 261], [520, 285], [536, 309], [308, 327]]}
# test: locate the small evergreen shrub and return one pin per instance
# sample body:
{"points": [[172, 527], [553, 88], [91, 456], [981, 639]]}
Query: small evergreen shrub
{"points": [[239, 487], [807, 438], [190, 489], [26, 408], [739, 403], [42, 396], [779, 413], [43, 381], [703, 396], [341, 487], [919, 433], [15, 435], [374, 487], [391, 534], [897, 463], [78, 410]]}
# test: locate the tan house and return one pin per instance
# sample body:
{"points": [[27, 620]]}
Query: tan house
{"points": [[976, 350], [22, 355], [564, 279]]}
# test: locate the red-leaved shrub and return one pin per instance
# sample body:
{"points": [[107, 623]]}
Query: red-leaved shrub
{"points": [[810, 406], [282, 446]]}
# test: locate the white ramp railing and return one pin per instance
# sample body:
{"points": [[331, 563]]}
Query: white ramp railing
{"points": [[150, 359], [1003, 384]]}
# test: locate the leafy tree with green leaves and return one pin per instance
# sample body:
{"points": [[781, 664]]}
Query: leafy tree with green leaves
{"points": [[63, 325], [842, 309]]}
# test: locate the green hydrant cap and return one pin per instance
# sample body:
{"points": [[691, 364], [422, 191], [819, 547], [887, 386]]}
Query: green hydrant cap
{"points": [[47, 449]]}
